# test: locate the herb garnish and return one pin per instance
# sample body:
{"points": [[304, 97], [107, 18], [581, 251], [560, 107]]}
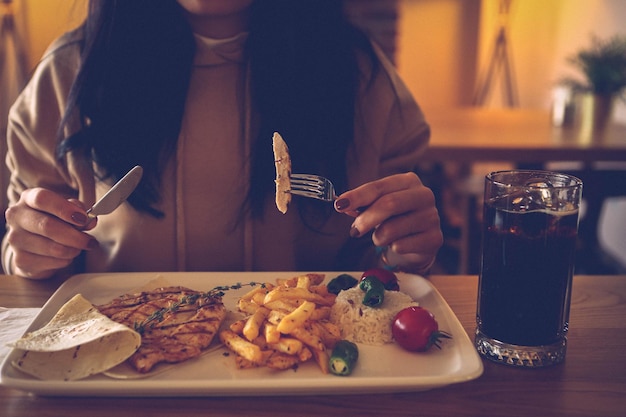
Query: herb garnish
{"points": [[189, 299]]}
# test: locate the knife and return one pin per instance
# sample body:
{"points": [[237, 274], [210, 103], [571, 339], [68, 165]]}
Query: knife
{"points": [[117, 194]]}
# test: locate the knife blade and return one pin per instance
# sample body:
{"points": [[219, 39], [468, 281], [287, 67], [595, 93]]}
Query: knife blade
{"points": [[117, 194]]}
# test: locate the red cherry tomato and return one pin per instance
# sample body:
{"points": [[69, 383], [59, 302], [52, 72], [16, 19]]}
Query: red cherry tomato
{"points": [[415, 329], [387, 277]]}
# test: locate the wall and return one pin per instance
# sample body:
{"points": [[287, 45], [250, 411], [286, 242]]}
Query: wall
{"points": [[531, 35], [436, 55], [444, 46], [41, 21]]}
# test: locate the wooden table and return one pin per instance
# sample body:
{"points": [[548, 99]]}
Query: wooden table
{"points": [[591, 382], [522, 136]]}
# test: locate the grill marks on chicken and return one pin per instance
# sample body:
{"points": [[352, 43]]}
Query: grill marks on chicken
{"points": [[172, 331]]}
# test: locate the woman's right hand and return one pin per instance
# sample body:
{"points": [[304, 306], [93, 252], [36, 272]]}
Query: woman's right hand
{"points": [[46, 232]]}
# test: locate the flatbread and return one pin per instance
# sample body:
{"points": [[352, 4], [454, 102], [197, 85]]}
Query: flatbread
{"points": [[77, 342], [282, 161]]}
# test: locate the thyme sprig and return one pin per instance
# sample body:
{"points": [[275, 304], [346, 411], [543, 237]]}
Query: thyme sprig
{"points": [[189, 299]]}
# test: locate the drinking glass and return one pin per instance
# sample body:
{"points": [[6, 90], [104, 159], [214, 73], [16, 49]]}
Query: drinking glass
{"points": [[530, 227]]}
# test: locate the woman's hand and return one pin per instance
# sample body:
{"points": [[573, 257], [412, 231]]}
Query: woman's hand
{"points": [[46, 232], [402, 213]]}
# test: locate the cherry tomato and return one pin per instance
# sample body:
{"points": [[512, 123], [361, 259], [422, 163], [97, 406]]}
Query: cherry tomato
{"points": [[415, 329], [387, 277]]}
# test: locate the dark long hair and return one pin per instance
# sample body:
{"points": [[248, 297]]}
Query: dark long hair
{"points": [[136, 63]]}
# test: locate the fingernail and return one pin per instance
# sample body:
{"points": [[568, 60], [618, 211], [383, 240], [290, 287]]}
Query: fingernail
{"points": [[79, 218], [342, 204], [354, 232]]}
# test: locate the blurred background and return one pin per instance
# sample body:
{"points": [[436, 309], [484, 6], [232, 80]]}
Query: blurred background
{"points": [[443, 50]]}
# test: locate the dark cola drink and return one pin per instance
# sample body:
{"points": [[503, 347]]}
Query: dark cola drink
{"points": [[530, 228], [526, 275]]}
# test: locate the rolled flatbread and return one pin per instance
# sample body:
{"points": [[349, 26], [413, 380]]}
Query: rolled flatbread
{"points": [[77, 342]]}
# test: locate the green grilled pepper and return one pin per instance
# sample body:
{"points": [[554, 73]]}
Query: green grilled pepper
{"points": [[340, 283], [374, 291], [343, 358]]}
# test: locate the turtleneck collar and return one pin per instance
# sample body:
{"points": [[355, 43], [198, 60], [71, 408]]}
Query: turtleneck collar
{"points": [[219, 51]]}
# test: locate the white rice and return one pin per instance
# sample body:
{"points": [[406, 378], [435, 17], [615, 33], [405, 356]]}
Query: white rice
{"points": [[368, 325]]}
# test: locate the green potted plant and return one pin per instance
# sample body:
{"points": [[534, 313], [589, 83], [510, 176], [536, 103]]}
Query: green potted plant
{"points": [[604, 68]]}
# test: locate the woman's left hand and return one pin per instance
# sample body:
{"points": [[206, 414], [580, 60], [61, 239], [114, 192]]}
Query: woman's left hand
{"points": [[402, 213]]}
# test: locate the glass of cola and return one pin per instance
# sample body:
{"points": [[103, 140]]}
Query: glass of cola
{"points": [[530, 224]]}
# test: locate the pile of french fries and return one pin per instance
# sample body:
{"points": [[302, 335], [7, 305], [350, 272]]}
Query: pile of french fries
{"points": [[286, 324]]}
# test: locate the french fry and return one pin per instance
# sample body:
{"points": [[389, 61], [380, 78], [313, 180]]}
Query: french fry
{"points": [[296, 318], [257, 289], [284, 305], [331, 328], [308, 337], [287, 325], [319, 289], [237, 326], [329, 299], [281, 361], [316, 279], [322, 358], [247, 306], [312, 278], [275, 316], [320, 313], [252, 327], [287, 345], [305, 354], [328, 332], [241, 346], [261, 343], [243, 363], [258, 298], [272, 335], [303, 281], [294, 293], [289, 282]]}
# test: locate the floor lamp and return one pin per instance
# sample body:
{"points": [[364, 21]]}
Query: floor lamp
{"points": [[500, 60]]}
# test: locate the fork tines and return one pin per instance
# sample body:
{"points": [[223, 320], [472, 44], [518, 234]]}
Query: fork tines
{"points": [[312, 186], [307, 185]]}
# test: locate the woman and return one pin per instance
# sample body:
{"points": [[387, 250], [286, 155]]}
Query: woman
{"points": [[193, 90]]}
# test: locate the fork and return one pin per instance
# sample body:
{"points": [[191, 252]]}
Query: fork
{"points": [[313, 186]]}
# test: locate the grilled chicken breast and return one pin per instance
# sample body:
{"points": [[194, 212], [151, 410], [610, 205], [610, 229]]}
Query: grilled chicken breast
{"points": [[282, 162], [176, 323]]}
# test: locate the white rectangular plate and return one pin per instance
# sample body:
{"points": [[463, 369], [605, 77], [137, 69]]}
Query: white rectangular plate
{"points": [[386, 368]]}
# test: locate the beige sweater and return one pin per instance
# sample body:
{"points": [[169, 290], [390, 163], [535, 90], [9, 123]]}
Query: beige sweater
{"points": [[206, 182]]}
